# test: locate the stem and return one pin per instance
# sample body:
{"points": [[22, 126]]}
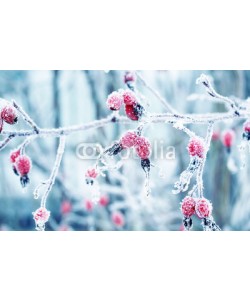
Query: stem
{"points": [[54, 172]]}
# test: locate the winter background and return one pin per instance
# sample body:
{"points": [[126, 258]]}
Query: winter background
{"points": [[62, 98]]}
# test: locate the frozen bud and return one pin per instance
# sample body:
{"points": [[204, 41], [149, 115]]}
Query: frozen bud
{"points": [[41, 216], [128, 139], [104, 200], [118, 219], [188, 206], [145, 164], [23, 166], [14, 155], [196, 147], [9, 114], [115, 101], [89, 205], [228, 137], [134, 112], [129, 97], [203, 208], [142, 147], [129, 77], [114, 149], [187, 223], [66, 207]]}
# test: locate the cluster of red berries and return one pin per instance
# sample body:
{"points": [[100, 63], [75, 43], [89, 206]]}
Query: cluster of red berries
{"points": [[21, 165], [141, 144], [133, 108], [103, 201], [8, 114], [190, 206]]}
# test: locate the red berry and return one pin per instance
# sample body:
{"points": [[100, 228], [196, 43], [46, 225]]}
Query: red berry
{"points": [[142, 147], [91, 173], [89, 205], [228, 138], [104, 201], [196, 147], [14, 155], [134, 112], [41, 216], [23, 164], [129, 97], [128, 139], [66, 207], [115, 101], [246, 126], [203, 208], [215, 135], [129, 77], [188, 206], [9, 114], [118, 219]]}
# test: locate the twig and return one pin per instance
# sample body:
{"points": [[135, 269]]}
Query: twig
{"points": [[5, 142], [54, 172], [25, 116], [203, 79]]}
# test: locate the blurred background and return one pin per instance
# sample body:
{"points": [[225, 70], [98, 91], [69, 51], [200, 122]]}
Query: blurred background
{"points": [[63, 98]]}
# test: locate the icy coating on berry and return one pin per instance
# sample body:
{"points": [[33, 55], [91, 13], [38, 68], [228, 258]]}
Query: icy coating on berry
{"points": [[128, 140], [115, 101], [14, 155], [196, 147], [91, 173], [129, 97], [203, 208], [142, 147], [118, 219], [228, 137], [188, 206], [23, 165], [41, 216], [9, 114]]}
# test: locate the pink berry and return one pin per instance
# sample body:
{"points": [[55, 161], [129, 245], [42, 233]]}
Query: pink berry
{"points": [[89, 205], [115, 101], [129, 97], [188, 206], [41, 216], [118, 219], [228, 138], [203, 208], [246, 126], [104, 200], [91, 173], [14, 155], [128, 139], [196, 147], [142, 147], [9, 114], [129, 77], [216, 136], [66, 207], [23, 164]]}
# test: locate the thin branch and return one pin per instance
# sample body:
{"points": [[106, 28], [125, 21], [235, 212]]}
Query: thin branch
{"points": [[26, 117], [5, 142], [54, 172]]}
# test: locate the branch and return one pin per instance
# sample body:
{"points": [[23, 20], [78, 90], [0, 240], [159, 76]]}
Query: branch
{"points": [[5, 142], [54, 172]]}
